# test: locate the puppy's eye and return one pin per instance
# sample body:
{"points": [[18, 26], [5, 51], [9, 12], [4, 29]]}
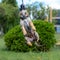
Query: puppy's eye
{"points": [[21, 14]]}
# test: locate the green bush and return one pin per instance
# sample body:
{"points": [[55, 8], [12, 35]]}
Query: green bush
{"points": [[15, 41]]}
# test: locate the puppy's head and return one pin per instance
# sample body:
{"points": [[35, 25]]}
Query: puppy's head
{"points": [[24, 12]]}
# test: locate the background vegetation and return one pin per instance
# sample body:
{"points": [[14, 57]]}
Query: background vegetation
{"points": [[9, 13]]}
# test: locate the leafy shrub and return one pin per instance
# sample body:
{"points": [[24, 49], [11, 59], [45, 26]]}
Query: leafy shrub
{"points": [[14, 39]]}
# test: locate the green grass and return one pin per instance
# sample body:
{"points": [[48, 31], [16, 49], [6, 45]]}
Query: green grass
{"points": [[53, 54], [57, 35]]}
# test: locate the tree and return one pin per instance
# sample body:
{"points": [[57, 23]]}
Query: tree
{"points": [[12, 2], [28, 8], [54, 13], [38, 10], [41, 12], [8, 16]]}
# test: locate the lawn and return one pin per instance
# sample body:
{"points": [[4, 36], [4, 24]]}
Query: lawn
{"points": [[53, 54], [57, 35]]}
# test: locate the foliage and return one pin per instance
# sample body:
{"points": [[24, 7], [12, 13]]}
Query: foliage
{"points": [[8, 16], [38, 10], [14, 39], [54, 12], [12, 2]]}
